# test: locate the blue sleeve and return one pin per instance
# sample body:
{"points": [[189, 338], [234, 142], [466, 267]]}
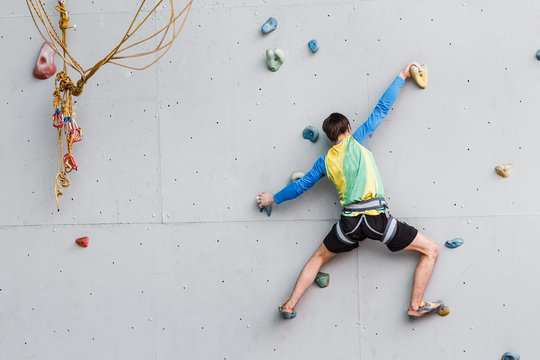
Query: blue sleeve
{"points": [[380, 111], [296, 188]]}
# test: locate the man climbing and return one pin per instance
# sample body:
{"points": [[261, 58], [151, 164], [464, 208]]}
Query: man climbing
{"points": [[351, 167]]}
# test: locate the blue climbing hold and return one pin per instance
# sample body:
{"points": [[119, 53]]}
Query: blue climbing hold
{"points": [[311, 133], [313, 46], [269, 26], [538, 55], [510, 356], [454, 243]]}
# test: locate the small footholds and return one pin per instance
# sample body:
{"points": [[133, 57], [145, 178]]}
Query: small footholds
{"points": [[322, 279], [311, 133], [510, 356], [297, 175], [82, 241], [313, 46], [504, 170], [538, 55], [269, 26], [274, 59], [419, 75], [454, 243], [445, 310]]}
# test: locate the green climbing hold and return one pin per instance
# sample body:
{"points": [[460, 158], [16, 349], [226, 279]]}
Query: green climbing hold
{"points": [[274, 59], [322, 279]]}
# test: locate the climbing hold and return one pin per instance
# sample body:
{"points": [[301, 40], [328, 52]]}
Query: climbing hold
{"points": [[313, 46], [538, 55], [454, 243], [504, 170], [269, 26], [268, 209], [83, 241], [510, 356], [322, 279], [419, 75], [311, 133], [445, 310], [297, 175], [274, 59], [45, 66]]}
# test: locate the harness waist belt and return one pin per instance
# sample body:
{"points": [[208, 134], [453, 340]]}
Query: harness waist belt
{"points": [[371, 204]]}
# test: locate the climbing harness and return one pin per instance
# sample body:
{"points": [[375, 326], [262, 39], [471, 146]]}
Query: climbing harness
{"points": [[64, 117], [371, 204]]}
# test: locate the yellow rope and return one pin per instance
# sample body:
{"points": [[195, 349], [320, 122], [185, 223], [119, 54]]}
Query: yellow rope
{"points": [[65, 88], [54, 37]]}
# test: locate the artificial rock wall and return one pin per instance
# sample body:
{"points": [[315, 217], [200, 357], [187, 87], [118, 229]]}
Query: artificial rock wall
{"points": [[181, 265]]}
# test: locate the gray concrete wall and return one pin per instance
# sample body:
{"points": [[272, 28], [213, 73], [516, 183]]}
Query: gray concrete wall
{"points": [[181, 265]]}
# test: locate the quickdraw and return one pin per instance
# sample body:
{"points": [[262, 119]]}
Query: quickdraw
{"points": [[69, 163], [57, 119], [66, 124]]}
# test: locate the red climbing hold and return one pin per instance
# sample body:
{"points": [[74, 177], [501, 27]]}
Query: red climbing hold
{"points": [[82, 241], [45, 67]]}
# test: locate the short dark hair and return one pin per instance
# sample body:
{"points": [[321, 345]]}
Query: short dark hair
{"points": [[335, 125]]}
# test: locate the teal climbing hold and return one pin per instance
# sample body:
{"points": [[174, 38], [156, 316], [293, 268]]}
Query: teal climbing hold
{"points": [[311, 133], [274, 59], [538, 55], [510, 356], [268, 209], [454, 243], [269, 26], [322, 279], [313, 46]]}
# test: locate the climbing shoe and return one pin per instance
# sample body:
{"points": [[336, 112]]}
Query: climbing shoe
{"points": [[287, 312], [425, 307]]}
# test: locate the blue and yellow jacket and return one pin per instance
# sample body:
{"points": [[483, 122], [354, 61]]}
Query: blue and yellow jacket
{"points": [[349, 164]]}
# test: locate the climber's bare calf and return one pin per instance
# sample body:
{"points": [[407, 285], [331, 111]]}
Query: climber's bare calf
{"points": [[429, 251], [307, 276]]}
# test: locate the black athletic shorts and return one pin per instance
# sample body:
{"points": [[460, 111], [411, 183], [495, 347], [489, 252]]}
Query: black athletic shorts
{"points": [[372, 227]]}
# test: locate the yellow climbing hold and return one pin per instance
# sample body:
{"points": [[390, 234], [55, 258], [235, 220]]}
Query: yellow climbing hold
{"points": [[419, 75], [445, 310], [504, 170]]}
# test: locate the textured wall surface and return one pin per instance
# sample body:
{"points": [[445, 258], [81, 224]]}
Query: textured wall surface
{"points": [[181, 265]]}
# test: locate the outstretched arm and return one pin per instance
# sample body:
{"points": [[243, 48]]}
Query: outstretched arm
{"points": [[383, 106], [296, 188]]}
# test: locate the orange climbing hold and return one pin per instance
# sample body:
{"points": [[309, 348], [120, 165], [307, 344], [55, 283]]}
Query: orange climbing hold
{"points": [[83, 241]]}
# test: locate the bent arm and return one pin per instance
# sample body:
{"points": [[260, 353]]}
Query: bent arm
{"points": [[296, 188], [381, 110]]}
